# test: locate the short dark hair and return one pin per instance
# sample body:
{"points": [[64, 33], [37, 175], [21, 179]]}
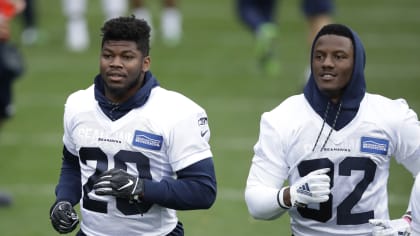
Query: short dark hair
{"points": [[130, 29], [336, 29]]}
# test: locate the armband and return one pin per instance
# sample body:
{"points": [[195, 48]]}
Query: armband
{"points": [[407, 217], [280, 199]]}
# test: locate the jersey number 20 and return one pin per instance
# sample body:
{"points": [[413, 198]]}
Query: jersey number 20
{"points": [[121, 159]]}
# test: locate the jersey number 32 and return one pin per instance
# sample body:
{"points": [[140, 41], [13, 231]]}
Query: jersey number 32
{"points": [[345, 167]]}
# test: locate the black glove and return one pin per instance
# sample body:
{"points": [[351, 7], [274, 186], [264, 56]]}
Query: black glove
{"points": [[63, 217], [119, 183]]}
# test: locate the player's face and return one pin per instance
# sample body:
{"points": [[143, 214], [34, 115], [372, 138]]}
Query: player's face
{"points": [[122, 67], [332, 64]]}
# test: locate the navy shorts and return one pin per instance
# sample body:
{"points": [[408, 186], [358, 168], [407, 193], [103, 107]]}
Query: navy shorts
{"points": [[317, 7]]}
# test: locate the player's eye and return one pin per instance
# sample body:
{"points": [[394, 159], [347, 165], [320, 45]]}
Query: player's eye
{"points": [[318, 57], [128, 57], [339, 56], [106, 56]]}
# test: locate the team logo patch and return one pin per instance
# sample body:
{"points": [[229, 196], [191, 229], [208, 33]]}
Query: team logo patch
{"points": [[147, 140], [374, 145]]}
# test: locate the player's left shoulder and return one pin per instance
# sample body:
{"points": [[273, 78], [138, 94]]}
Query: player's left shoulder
{"points": [[380, 101], [81, 101], [390, 110], [172, 100]]}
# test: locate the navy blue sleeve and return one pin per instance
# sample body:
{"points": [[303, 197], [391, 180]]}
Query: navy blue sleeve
{"points": [[69, 185], [195, 188]]}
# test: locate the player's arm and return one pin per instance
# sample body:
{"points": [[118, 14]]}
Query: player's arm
{"points": [[261, 201], [63, 217], [267, 173], [265, 195], [396, 227], [195, 187], [266, 202], [69, 184]]}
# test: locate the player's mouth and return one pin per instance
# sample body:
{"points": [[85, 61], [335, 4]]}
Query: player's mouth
{"points": [[115, 76], [327, 76]]}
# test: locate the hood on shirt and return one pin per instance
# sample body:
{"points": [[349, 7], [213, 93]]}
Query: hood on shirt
{"points": [[113, 111], [354, 91]]}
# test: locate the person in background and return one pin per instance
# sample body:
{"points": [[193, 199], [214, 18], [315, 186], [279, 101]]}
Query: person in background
{"points": [[259, 16], [170, 20], [77, 31], [134, 153], [10, 68], [29, 35], [333, 145]]}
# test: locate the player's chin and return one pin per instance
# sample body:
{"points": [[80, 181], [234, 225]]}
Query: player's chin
{"points": [[113, 81], [330, 91], [117, 90]]}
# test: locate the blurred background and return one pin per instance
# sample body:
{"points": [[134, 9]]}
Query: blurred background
{"points": [[214, 64]]}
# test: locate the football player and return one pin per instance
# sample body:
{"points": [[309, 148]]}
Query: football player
{"points": [[333, 145], [134, 152]]}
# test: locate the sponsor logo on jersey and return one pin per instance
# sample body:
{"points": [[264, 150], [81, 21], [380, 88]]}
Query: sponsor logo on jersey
{"points": [[147, 140], [374, 145], [202, 121]]}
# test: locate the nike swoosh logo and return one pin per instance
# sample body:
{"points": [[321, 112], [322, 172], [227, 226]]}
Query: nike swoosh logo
{"points": [[130, 182], [204, 133]]}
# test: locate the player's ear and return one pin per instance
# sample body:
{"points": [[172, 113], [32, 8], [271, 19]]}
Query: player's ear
{"points": [[145, 63]]}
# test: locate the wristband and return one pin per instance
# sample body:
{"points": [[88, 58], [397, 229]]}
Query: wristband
{"points": [[407, 217], [280, 200]]}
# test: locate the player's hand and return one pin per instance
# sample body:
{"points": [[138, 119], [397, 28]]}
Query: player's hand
{"points": [[382, 227], [63, 217], [119, 183], [312, 188]]}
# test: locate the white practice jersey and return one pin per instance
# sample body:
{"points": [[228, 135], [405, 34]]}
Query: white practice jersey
{"points": [[358, 156], [415, 207], [168, 133]]}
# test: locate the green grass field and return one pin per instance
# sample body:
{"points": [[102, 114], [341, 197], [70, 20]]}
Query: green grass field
{"points": [[214, 66]]}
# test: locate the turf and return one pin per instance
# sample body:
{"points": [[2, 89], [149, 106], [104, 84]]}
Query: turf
{"points": [[214, 66]]}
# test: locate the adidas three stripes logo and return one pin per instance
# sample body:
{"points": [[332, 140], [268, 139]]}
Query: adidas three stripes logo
{"points": [[304, 189]]}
